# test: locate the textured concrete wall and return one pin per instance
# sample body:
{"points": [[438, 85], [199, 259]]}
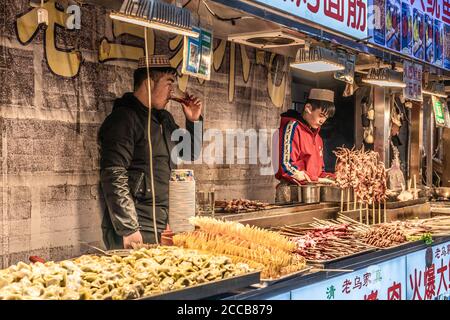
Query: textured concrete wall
{"points": [[49, 194]]}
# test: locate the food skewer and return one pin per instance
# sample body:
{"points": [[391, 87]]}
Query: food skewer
{"points": [[373, 213], [348, 199], [360, 212], [379, 212], [367, 213]]}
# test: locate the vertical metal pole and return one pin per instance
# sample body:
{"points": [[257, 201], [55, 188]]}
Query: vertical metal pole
{"points": [[429, 120], [382, 123], [416, 141], [446, 157], [359, 95]]}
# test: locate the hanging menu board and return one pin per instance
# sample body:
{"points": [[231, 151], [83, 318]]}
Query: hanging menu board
{"points": [[412, 75], [197, 55]]}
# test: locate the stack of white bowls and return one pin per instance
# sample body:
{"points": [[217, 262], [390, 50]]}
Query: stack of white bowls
{"points": [[181, 200]]}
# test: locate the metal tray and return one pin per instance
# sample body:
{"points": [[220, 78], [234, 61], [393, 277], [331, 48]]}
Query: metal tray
{"points": [[268, 282], [208, 289]]}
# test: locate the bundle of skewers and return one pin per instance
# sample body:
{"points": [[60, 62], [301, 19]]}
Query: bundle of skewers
{"points": [[326, 240], [437, 226], [360, 173], [261, 249], [343, 236]]}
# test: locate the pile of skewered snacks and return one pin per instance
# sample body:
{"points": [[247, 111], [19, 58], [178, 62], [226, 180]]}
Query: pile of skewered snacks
{"points": [[397, 232], [391, 234], [259, 248], [324, 241], [363, 172], [144, 272], [322, 249], [239, 205], [437, 226]]}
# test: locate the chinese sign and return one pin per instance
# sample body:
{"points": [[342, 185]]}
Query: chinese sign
{"points": [[439, 112], [412, 75], [197, 56], [428, 273], [385, 281], [345, 16]]}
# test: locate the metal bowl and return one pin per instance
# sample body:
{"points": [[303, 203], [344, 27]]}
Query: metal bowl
{"points": [[310, 193], [330, 194], [296, 194]]}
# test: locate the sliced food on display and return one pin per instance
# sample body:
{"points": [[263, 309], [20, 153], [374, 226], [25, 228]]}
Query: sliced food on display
{"points": [[143, 273]]}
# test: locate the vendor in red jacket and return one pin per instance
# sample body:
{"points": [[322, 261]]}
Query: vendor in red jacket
{"points": [[300, 145]]}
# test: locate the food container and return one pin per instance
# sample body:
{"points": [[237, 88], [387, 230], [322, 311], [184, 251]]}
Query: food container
{"points": [[330, 194], [296, 193], [182, 175], [310, 193], [181, 200]]}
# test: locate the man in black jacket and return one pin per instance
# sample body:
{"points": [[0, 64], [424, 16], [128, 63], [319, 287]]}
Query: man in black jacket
{"points": [[124, 164]]}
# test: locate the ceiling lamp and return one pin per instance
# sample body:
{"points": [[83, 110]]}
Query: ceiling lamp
{"points": [[435, 89], [384, 77], [317, 59], [156, 15]]}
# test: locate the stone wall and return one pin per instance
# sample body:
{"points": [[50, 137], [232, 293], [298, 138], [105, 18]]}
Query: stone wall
{"points": [[50, 198]]}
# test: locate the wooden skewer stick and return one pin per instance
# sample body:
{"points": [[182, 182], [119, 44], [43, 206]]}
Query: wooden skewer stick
{"points": [[367, 213], [374, 217], [379, 212], [385, 218], [360, 212], [348, 199]]}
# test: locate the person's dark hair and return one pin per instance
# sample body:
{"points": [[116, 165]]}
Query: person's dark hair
{"points": [[325, 106], [140, 75]]}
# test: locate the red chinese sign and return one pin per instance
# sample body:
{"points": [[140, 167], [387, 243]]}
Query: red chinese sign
{"points": [[344, 16]]}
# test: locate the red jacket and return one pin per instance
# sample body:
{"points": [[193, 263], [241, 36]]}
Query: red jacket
{"points": [[300, 149]]}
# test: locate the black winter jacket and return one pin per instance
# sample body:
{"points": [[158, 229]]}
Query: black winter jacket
{"points": [[125, 166]]}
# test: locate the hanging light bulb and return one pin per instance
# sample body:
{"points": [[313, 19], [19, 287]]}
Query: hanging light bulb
{"points": [[156, 15], [384, 77], [317, 59], [435, 89]]}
